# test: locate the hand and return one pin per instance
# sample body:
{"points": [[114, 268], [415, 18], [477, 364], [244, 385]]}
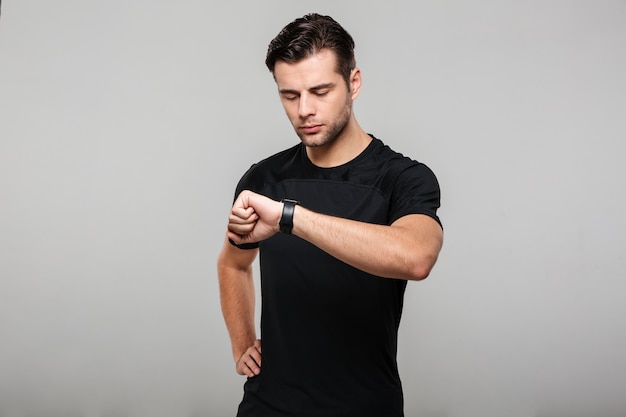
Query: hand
{"points": [[249, 363], [253, 218]]}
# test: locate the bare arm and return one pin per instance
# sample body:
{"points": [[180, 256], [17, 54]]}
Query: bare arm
{"points": [[237, 298], [407, 249]]}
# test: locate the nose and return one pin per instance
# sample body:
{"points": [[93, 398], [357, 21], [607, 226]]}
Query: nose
{"points": [[306, 106]]}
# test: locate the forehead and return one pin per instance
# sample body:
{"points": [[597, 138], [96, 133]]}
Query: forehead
{"points": [[313, 70]]}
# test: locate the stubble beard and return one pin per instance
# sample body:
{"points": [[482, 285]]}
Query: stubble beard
{"points": [[334, 130]]}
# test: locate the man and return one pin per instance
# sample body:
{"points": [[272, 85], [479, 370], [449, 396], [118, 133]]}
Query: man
{"points": [[341, 223]]}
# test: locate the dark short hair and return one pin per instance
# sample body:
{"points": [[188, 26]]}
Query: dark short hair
{"points": [[308, 35]]}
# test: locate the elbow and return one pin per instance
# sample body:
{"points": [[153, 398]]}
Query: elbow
{"points": [[424, 260], [420, 268], [419, 273]]}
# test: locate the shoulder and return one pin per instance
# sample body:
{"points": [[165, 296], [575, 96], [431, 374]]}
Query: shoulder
{"points": [[412, 186], [398, 166], [281, 158], [271, 167]]}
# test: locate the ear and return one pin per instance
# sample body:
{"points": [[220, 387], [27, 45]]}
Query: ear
{"points": [[355, 82]]}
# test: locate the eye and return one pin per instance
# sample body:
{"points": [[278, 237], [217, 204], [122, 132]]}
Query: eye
{"points": [[321, 93], [290, 97]]}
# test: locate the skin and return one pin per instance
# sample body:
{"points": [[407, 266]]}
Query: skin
{"points": [[318, 102]]}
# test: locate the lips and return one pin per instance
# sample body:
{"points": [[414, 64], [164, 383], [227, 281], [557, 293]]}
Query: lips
{"points": [[311, 129]]}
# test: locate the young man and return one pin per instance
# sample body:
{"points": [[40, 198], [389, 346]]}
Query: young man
{"points": [[341, 223]]}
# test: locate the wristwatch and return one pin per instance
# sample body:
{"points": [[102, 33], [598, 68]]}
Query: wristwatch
{"points": [[286, 220]]}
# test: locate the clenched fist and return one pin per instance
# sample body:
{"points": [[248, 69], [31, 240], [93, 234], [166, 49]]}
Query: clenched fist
{"points": [[253, 218]]}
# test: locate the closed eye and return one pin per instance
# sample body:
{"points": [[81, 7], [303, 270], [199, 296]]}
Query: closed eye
{"points": [[289, 97]]}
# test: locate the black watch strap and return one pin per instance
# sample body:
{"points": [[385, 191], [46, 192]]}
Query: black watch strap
{"points": [[286, 220]]}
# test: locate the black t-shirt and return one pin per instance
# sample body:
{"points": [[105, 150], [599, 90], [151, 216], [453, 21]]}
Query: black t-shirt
{"points": [[328, 330]]}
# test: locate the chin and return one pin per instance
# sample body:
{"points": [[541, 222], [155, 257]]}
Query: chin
{"points": [[314, 144], [315, 141]]}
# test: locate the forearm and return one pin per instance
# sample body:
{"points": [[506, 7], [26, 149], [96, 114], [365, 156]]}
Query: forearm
{"points": [[397, 251], [237, 295], [407, 249]]}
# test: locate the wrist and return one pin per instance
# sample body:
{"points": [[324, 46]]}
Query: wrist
{"points": [[285, 225]]}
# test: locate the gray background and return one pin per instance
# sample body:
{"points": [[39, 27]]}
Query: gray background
{"points": [[125, 125]]}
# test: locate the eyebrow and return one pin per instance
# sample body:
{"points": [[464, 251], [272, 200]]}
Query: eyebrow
{"points": [[314, 88]]}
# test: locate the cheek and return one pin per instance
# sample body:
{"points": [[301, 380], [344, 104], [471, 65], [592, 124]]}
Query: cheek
{"points": [[292, 116], [289, 109]]}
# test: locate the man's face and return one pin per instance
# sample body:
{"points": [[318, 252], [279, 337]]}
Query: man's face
{"points": [[315, 97]]}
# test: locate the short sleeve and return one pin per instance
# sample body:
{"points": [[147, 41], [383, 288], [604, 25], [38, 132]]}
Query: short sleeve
{"points": [[415, 191]]}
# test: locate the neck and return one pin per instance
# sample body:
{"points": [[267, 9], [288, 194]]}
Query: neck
{"points": [[348, 145]]}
